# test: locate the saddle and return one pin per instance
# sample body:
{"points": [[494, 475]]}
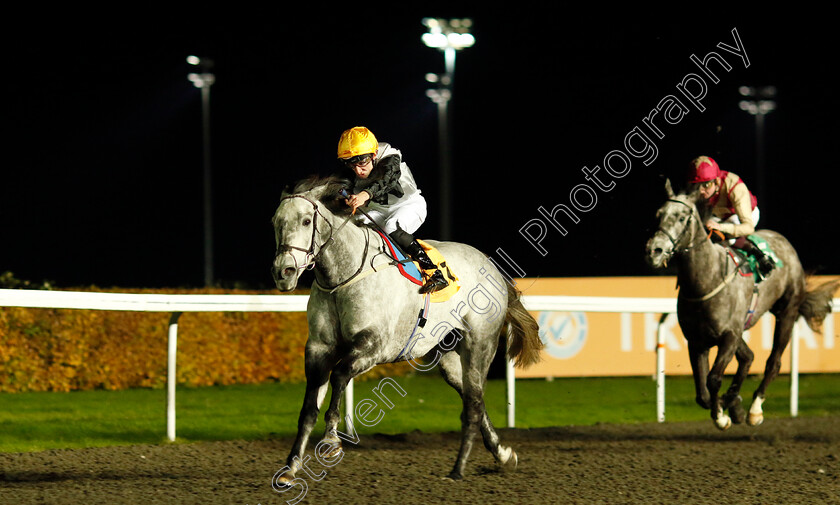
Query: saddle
{"points": [[763, 246], [412, 271], [746, 261]]}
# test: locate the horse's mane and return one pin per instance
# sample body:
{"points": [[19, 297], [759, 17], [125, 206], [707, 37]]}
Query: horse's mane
{"points": [[692, 194], [327, 189]]}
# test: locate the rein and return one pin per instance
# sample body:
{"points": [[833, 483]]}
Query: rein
{"points": [[678, 239], [310, 252], [676, 250], [312, 256]]}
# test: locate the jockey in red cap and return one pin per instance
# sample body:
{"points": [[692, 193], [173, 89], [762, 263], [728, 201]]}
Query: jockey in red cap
{"points": [[734, 208]]}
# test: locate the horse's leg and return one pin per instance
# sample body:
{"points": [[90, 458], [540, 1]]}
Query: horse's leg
{"points": [[732, 398], [450, 369], [475, 362], [350, 365], [317, 364], [471, 417], [699, 358], [726, 350], [781, 337]]}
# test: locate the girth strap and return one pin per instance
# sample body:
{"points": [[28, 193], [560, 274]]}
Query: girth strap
{"points": [[714, 292]]}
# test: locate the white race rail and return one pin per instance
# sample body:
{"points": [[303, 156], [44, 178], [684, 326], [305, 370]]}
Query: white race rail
{"points": [[177, 304], [663, 306], [173, 304]]}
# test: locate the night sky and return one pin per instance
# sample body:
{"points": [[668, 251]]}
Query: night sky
{"points": [[102, 150]]}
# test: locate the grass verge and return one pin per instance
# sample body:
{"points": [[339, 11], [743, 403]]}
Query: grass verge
{"points": [[39, 421]]}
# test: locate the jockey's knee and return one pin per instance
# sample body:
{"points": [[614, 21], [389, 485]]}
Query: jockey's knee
{"points": [[740, 243], [401, 237]]}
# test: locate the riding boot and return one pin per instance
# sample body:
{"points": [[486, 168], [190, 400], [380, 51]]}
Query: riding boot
{"points": [[765, 263], [436, 281]]}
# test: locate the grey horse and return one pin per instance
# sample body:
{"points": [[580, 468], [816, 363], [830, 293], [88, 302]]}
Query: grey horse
{"points": [[362, 312], [716, 304]]}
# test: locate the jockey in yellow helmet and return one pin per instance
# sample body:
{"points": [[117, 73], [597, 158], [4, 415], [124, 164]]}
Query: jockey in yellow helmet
{"points": [[385, 186]]}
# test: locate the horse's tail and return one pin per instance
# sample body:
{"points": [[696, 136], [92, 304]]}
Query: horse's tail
{"points": [[524, 344], [817, 303]]}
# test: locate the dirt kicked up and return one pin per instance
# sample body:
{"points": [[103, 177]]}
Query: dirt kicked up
{"points": [[790, 461]]}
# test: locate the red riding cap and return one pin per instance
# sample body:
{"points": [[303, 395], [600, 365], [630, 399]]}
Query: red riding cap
{"points": [[703, 169]]}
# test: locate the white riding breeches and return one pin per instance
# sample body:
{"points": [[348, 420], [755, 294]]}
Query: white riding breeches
{"points": [[735, 220], [409, 214]]}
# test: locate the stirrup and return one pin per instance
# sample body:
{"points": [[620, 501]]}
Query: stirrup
{"points": [[765, 266], [434, 283]]}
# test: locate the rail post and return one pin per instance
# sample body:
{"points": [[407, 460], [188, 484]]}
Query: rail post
{"points": [[660, 370], [170, 375]]}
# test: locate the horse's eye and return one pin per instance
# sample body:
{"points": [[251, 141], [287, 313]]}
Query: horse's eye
{"points": [[307, 222], [682, 219]]}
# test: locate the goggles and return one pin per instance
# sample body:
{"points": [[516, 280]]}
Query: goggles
{"points": [[361, 159]]}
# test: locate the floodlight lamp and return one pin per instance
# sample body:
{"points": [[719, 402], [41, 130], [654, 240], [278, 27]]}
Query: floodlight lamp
{"points": [[435, 40], [201, 80], [460, 40], [765, 106], [432, 23], [451, 34], [204, 63], [749, 107]]}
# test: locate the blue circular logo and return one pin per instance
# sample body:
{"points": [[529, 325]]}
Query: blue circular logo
{"points": [[563, 333]]}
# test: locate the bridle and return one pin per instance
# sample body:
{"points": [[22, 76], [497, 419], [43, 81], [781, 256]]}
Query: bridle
{"points": [[677, 250], [311, 256], [310, 253], [676, 241]]}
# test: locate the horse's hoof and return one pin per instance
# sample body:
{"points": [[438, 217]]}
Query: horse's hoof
{"points": [[723, 422], [511, 463], [755, 419], [335, 451], [738, 414], [453, 476], [282, 480]]}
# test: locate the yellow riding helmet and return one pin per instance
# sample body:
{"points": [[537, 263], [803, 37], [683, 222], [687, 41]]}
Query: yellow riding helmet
{"points": [[356, 141]]}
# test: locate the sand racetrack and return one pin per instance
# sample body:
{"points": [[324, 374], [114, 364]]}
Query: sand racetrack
{"points": [[784, 461]]}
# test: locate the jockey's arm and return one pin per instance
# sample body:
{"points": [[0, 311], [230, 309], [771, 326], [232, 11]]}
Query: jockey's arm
{"points": [[358, 200], [386, 177]]}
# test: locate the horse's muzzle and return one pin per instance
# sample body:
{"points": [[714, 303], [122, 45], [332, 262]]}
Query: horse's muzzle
{"points": [[285, 275], [655, 254]]}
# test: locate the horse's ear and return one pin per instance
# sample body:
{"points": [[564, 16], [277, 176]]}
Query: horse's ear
{"points": [[669, 191]]}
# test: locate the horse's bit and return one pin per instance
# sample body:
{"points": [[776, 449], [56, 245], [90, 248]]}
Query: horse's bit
{"points": [[674, 251], [676, 241], [311, 255]]}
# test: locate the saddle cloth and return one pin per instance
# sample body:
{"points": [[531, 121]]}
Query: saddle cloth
{"points": [[407, 268], [749, 264], [764, 246], [411, 271]]}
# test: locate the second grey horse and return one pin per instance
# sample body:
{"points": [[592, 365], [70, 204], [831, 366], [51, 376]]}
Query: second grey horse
{"points": [[716, 304]]}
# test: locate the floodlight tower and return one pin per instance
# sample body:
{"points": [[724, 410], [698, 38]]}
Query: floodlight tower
{"points": [[758, 102], [448, 36], [203, 80]]}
